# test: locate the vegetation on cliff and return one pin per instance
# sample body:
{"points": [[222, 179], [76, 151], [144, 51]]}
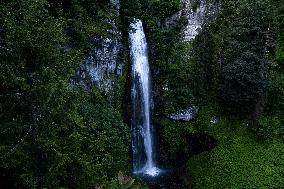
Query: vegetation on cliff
{"points": [[235, 74], [55, 134]]}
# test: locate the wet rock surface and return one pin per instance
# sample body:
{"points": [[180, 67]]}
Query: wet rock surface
{"points": [[184, 115]]}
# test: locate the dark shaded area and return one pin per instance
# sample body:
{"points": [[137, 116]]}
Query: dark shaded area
{"points": [[177, 175], [9, 178], [200, 142], [193, 144]]}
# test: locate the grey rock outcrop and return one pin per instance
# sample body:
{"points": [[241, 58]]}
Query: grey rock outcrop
{"points": [[102, 66], [185, 114], [195, 12]]}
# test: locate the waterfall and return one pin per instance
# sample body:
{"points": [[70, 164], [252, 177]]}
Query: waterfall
{"points": [[142, 139]]}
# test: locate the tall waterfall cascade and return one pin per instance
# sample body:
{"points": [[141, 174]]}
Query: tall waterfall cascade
{"points": [[142, 139]]}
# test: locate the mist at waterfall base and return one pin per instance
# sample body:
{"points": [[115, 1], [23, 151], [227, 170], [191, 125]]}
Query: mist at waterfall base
{"points": [[142, 137]]}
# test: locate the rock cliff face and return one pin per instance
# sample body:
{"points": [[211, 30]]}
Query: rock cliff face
{"points": [[195, 12], [102, 62], [116, 4], [102, 67]]}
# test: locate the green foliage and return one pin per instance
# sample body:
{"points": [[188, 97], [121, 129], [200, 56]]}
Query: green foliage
{"points": [[271, 126], [240, 49], [276, 92], [90, 145], [54, 134], [203, 118], [175, 73], [174, 67], [150, 9], [164, 9], [279, 28], [205, 71], [243, 83], [175, 136], [239, 161], [241, 77]]}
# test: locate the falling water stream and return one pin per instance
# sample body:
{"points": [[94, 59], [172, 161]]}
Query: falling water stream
{"points": [[142, 140]]}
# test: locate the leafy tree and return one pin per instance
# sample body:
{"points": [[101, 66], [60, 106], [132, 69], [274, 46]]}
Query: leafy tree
{"points": [[206, 70], [270, 124], [53, 134], [241, 36]]}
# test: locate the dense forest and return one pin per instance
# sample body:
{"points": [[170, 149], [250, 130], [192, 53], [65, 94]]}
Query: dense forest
{"points": [[62, 128]]}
